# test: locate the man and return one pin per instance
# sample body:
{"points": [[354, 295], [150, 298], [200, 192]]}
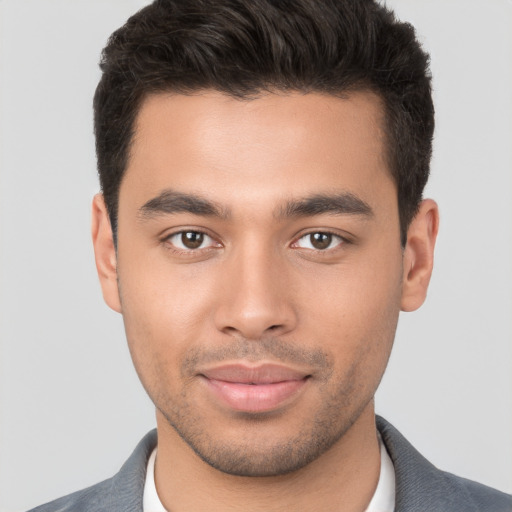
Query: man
{"points": [[260, 227]]}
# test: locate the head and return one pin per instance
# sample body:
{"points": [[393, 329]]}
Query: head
{"points": [[246, 48], [261, 224]]}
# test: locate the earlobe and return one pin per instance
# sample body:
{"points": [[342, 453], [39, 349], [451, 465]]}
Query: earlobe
{"points": [[418, 257], [105, 253]]}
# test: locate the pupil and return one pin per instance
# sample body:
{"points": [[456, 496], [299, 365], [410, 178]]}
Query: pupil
{"points": [[192, 239], [320, 240]]}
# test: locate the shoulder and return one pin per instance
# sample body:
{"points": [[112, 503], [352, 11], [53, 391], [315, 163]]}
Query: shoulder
{"points": [[422, 486], [91, 498], [121, 493], [485, 498]]}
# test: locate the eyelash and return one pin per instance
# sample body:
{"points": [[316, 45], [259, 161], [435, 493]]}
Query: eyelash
{"points": [[188, 252], [342, 240], [193, 252]]}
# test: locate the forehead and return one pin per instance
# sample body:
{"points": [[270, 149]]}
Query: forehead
{"points": [[260, 149]]}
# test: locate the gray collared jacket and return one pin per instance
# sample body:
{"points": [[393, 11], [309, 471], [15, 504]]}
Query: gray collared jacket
{"points": [[420, 486]]}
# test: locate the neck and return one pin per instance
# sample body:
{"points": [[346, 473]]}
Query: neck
{"points": [[343, 478]]}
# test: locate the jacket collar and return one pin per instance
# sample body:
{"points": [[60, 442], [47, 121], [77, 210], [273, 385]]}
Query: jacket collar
{"points": [[419, 484], [127, 486]]}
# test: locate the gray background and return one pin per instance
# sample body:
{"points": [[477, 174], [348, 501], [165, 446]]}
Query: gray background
{"points": [[71, 406]]}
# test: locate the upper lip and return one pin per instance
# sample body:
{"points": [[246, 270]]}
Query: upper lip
{"points": [[267, 373]]}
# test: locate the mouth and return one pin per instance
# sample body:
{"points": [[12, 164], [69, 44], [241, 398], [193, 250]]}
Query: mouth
{"points": [[254, 389]]}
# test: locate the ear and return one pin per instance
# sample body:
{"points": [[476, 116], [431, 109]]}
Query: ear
{"points": [[105, 253], [418, 259]]}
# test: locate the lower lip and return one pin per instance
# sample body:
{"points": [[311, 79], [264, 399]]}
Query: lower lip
{"points": [[256, 397]]}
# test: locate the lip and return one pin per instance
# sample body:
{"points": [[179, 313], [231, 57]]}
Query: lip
{"points": [[260, 388]]}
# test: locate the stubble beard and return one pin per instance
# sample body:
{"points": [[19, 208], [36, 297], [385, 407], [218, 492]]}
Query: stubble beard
{"points": [[249, 455]]}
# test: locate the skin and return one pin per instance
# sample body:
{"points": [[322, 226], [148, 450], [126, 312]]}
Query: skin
{"points": [[258, 290]]}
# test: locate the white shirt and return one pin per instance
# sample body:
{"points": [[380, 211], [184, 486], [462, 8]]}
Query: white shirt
{"points": [[150, 501], [383, 499]]}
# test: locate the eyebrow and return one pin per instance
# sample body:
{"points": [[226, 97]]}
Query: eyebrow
{"points": [[170, 202], [344, 203]]}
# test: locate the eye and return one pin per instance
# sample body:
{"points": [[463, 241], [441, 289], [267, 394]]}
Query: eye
{"points": [[190, 240], [319, 241]]}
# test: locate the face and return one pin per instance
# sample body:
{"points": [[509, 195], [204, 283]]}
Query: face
{"points": [[259, 271]]}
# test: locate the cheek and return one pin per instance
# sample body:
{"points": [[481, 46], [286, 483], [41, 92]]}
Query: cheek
{"points": [[160, 295], [164, 315], [357, 312]]}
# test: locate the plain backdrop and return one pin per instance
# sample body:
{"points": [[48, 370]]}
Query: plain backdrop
{"points": [[71, 406]]}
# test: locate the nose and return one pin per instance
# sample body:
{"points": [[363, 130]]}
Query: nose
{"points": [[255, 298]]}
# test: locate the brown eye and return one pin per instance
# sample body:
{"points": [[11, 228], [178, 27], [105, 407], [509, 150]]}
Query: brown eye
{"points": [[190, 240], [319, 241]]}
